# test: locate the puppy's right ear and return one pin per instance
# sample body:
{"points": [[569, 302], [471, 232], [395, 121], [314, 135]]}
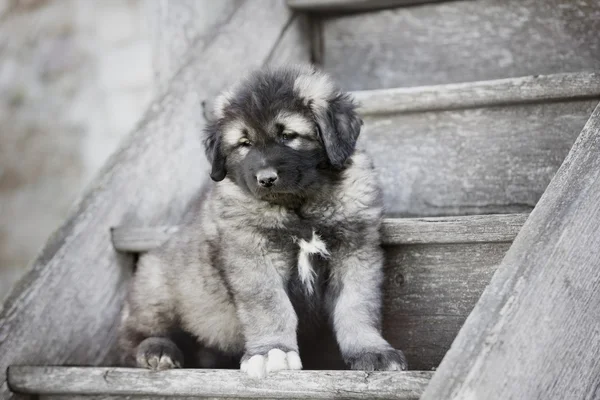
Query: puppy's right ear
{"points": [[214, 152]]}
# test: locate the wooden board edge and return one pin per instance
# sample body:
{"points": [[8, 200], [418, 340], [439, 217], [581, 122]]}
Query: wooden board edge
{"points": [[395, 231], [48, 380], [351, 6], [527, 89]]}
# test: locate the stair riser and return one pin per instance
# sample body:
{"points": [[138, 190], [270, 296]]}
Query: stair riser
{"points": [[475, 161], [429, 291], [460, 41]]}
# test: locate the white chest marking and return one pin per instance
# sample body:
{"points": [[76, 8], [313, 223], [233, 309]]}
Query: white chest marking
{"points": [[305, 270]]}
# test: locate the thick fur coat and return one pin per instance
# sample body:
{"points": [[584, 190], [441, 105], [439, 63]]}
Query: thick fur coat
{"points": [[286, 241]]}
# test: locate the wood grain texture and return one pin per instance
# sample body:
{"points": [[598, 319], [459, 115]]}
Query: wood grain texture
{"points": [[461, 41], [464, 229], [528, 89], [65, 309], [429, 290], [295, 43], [175, 26], [341, 6], [219, 383], [123, 397], [473, 161], [535, 332]]}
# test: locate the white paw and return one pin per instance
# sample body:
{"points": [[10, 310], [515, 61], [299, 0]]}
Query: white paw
{"points": [[258, 366]]}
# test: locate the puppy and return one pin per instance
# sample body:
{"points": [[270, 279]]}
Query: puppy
{"points": [[287, 239]]}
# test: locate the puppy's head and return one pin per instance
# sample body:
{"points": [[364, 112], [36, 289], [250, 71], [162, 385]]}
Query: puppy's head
{"points": [[280, 131]]}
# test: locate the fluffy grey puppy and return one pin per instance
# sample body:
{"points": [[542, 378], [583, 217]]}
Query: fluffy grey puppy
{"points": [[287, 238]]}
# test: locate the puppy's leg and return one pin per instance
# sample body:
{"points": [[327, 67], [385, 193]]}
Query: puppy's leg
{"points": [[266, 313], [148, 319], [354, 300]]}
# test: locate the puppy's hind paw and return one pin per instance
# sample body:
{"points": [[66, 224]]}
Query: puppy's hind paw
{"points": [[260, 365], [378, 360], [158, 354]]}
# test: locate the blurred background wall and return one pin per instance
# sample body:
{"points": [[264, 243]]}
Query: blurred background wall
{"points": [[75, 77]]}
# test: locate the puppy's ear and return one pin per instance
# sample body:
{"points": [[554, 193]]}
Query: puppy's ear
{"points": [[214, 152], [339, 126]]}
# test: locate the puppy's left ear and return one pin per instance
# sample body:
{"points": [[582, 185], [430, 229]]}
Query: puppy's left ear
{"points": [[214, 152], [339, 127]]}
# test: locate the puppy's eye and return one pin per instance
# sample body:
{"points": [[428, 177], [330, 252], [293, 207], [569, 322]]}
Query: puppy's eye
{"points": [[244, 142], [287, 136]]}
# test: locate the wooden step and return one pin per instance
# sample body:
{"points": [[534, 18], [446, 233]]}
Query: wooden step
{"points": [[77, 381], [474, 148], [459, 41], [395, 231], [436, 269], [343, 6]]}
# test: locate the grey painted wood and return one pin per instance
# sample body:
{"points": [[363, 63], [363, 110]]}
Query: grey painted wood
{"points": [[534, 333], [120, 397], [528, 89], [461, 41], [123, 397], [464, 229], [219, 383], [175, 26], [429, 290], [295, 43], [65, 308], [340, 6], [472, 161], [140, 239]]}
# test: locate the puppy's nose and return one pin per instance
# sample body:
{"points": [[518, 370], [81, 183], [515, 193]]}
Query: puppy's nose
{"points": [[266, 177]]}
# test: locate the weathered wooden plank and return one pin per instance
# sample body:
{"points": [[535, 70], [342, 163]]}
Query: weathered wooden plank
{"points": [[538, 88], [123, 397], [429, 290], [464, 229], [65, 309], [219, 383], [295, 43], [340, 6], [473, 161], [140, 239], [176, 26], [461, 41], [534, 333]]}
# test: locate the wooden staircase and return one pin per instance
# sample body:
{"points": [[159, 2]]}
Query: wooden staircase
{"points": [[464, 160]]}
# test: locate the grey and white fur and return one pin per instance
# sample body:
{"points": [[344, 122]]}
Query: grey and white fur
{"points": [[287, 239]]}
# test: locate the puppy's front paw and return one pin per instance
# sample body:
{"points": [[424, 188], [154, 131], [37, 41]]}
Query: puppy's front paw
{"points": [[260, 365], [378, 360], [158, 354]]}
